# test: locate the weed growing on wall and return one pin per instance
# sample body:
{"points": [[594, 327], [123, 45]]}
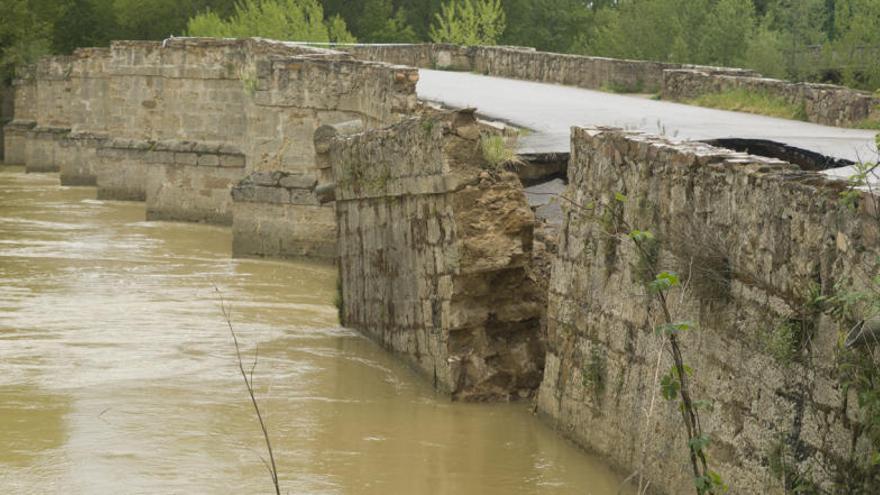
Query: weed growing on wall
{"points": [[595, 373], [856, 308], [497, 153], [783, 466], [248, 77], [675, 384]]}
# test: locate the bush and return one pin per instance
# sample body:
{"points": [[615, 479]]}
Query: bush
{"points": [[469, 22]]}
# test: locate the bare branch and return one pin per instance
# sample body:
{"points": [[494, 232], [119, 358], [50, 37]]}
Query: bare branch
{"points": [[273, 470]]}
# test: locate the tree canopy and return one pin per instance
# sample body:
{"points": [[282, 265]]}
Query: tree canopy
{"points": [[837, 40], [301, 20]]}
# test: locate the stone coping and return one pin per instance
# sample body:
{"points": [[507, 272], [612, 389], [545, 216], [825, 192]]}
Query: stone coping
{"points": [[277, 187], [20, 125], [49, 130], [186, 153], [699, 154], [88, 135], [772, 81]]}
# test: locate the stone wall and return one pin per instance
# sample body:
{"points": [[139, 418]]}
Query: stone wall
{"points": [[15, 132], [263, 98], [278, 214], [51, 110], [301, 95], [531, 65], [434, 256], [121, 169], [110, 117], [77, 157], [43, 148], [191, 182], [752, 239], [821, 103], [7, 105]]}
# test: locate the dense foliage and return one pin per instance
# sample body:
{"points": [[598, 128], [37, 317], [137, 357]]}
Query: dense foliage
{"points": [[301, 20], [835, 40]]}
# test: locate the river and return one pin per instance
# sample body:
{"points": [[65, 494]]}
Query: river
{"points": [[118, 373]]}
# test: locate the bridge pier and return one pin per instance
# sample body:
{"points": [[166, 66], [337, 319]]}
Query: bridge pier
{"points": [[15, 135], [43, 150], [191, 182], [278, 215], [79, 158]]}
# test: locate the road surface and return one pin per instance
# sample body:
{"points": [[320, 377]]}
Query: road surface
{"points": [[551, 110]]}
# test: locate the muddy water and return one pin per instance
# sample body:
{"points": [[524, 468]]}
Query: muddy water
{"points": [[117, 374]]}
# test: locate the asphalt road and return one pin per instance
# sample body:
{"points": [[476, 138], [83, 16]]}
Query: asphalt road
{"points": [[550, 110]]}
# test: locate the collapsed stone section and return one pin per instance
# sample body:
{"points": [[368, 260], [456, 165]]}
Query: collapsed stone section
{"points": [[825, 104], [434, 254], [755, 241]]}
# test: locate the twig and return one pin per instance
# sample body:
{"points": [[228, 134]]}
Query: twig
{"points": [[270, 466]]}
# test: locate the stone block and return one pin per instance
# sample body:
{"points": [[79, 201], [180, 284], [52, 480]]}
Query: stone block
{"points": [[298, 181], [190, 159], [232, 161], [209, 160]]}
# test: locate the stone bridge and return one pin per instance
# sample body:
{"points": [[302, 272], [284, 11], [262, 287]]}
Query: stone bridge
{"points": [[311, 152]]}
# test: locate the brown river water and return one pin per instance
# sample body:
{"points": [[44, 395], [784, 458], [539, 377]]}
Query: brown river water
{"points": [[118, 374]]}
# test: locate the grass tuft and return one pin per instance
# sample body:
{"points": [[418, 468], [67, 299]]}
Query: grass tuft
{"points": [[871, 125], [497, 153], [757, 102]]}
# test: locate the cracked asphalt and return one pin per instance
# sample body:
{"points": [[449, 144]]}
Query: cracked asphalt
{"points": [[550, 110]]}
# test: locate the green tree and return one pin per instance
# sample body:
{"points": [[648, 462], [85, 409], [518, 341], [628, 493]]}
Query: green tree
{"points": [[157, 19], [662, 30], [801, 26], [857, 23], [379, 22], [765, 52], [727, 32], [84, 23], [551, 25], [469, 22], [25, 32], [299, 20], [338, 31]]}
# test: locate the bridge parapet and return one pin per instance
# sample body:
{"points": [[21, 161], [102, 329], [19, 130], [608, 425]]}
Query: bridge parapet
{"points": [[825, 104], [531, 65], [756, 243]]}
